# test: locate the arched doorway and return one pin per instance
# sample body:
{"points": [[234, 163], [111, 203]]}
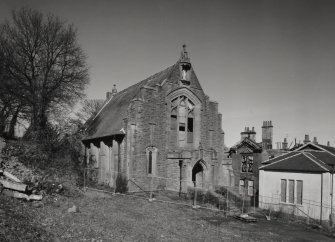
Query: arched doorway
{"points": [[198, 173]]}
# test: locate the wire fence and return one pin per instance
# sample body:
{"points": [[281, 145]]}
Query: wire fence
{"points": [[230, 200], [306, 210]]}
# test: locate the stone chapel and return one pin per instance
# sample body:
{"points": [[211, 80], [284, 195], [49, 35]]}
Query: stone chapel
{"points": [[162, 132]]}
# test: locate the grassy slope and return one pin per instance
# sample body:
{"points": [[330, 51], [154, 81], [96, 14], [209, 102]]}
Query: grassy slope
{"points": [[121, 218]]}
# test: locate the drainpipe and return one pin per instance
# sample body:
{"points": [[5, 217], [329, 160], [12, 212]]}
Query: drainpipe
{"points": [[180, 177], [331, 197], [119, 157], [321, 198]]}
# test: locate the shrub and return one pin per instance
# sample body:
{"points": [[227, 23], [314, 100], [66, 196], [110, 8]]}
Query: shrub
{"points": [[206, 197]]}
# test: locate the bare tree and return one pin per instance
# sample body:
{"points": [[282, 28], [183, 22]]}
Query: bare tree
{"points": [[44, 64], [89, 108]]}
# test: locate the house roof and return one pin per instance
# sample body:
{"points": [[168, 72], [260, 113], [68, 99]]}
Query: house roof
{"points": [[307, 158], [246, 145], [109, 120]]}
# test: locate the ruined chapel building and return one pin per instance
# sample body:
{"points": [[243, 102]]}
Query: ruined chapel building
{"points": [[163, 132]]}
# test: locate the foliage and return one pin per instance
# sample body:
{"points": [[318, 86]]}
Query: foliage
{"points": [[89, 108], [44, 66], [206, 197]]}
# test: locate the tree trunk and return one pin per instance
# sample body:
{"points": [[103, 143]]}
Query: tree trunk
{"points": [[3, 118], [13, 121], [38, 124]]}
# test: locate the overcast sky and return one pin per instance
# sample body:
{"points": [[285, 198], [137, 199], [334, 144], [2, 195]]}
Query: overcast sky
{"points": [[260, 60]]}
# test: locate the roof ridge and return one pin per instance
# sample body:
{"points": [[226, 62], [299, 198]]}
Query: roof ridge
{"points": [[280, 160], [309, 152], [315, 145], [310, 158], [279, 156], [140, 83]]}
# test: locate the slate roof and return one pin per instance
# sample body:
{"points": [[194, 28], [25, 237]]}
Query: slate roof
{"points": [[246, 145], [109, 120], [308, 158]]}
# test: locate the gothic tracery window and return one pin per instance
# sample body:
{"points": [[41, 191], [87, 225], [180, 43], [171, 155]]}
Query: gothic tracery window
{"points": [[182, 119]]}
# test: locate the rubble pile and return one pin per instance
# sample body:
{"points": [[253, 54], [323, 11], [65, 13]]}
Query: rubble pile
{"points": [[19, 181]]}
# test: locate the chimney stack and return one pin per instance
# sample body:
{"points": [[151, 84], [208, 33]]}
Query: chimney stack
{"points": [[248, 133], [110, 95], [315, 141], [285, 144], [306, 140], [328, 143], [267, 134]]}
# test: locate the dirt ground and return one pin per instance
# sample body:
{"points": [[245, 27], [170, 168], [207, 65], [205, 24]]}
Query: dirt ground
{"points": [[124, 218]]}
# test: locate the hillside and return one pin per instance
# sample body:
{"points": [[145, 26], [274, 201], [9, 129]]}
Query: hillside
{"points": [[105, 217]]}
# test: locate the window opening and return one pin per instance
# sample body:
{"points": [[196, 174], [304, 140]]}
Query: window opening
{"points": [[244, 164], [283, 191], [241, 186], [291, 191], [150, 163], [182, 119], [250, 163], [250, 188], [299, 192]]}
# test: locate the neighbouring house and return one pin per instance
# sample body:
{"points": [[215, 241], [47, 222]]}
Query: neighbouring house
{"points": [[300, 182], [162, 132], [247, 156]]}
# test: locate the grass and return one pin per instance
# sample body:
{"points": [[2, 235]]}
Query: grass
{"points": [[126, 218]]}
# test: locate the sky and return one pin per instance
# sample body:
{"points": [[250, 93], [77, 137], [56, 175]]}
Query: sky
{"points": [[260, 60]]}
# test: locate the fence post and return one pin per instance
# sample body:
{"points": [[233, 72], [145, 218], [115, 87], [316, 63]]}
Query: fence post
{"points": [[227, 201], [254, 202], [84, 179], [195, 196]]}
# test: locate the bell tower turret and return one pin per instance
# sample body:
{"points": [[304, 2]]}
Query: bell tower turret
{"points": [[184, 67]]}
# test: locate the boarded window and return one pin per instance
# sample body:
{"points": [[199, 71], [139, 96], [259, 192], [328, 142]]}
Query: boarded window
{"points": [[250, 188], [283, 191], [299, 192], [241, 190], [291, 191]]}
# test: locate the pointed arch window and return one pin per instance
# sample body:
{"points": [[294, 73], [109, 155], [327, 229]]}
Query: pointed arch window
{"points": [[151, 154], [150, 162], [182, 119]]}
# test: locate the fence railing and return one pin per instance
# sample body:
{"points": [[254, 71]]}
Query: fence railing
{"points": [[230, 200], [227, 199]]}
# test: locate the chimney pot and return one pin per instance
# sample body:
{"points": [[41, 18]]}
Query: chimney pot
{"points": [[328, 143], [306, 139], [315, 141], [114, 90], [253, 129]]}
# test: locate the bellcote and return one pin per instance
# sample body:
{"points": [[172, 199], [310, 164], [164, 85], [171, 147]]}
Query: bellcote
{"points": [[184, 67]]}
